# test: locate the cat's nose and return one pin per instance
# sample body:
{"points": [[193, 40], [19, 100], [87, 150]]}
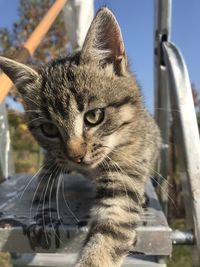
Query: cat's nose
{"points": [[77, 149], [77, 158]]}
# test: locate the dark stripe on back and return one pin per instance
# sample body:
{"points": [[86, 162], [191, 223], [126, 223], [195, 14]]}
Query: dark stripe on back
{"points": [[109, 230], [119, 251], [132, 209], [104, 192]]}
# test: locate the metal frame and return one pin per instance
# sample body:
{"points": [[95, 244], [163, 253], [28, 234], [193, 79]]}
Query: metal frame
{"points": [[63, 260], [6, 162], [186, 132], [161, 94], [173, 92], [33, 227]]}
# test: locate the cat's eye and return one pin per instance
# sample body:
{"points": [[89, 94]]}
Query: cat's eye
{"points": [[49, 130], [94, 117]]}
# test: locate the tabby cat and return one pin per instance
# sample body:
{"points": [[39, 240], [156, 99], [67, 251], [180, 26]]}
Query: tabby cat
{"points": [[87, 112]]}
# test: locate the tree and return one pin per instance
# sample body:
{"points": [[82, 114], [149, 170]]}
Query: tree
{"points": [[30, 14], [196, 99]]}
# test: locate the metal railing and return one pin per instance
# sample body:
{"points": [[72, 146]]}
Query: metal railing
{"points": [[173, 100]]}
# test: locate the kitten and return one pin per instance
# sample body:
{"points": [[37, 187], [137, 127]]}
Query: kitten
{"points": [[88, 114]]}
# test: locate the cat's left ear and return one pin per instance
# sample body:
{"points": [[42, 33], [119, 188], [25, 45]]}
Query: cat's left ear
{"points": [[104, 44], [19, 73]]}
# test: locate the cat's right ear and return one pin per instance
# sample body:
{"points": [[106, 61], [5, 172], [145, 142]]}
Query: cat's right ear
{"points": [[104, 43], [20, 74]]}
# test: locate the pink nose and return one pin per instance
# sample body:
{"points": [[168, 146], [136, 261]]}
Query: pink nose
{"points": [[77, 149], [77, 158]]}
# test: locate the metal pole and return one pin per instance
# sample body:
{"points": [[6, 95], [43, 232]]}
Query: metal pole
{"points": [[32, 43], [6, 159], [161, 101], [187, 135], [182, 237]]}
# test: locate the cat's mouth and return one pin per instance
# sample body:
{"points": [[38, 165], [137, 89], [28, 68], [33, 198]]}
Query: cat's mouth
{"points": [[88, 162]]}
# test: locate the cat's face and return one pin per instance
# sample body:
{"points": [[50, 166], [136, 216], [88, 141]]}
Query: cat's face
{"points": [[80, 113], [81, 108]]}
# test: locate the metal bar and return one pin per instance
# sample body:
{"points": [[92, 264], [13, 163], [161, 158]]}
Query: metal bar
{"points": [[69, 260], [32, 43], [187, 137], [17, 222], [161, 101], [182, 237], [6, 162], [162, 33]]}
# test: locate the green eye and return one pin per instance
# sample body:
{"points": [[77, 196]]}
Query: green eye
{"points": [[50, 130], [94, 117]]}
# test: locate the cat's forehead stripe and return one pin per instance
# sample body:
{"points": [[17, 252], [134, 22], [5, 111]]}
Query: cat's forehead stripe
{"points": [[78, 98]]}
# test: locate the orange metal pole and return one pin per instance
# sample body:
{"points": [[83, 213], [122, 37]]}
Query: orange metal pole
{"points": [[32, 43]]}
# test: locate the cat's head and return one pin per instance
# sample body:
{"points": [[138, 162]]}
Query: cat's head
{"points": [[81, 108]]}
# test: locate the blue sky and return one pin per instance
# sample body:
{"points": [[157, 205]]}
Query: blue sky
{"points": [[136, 18]]}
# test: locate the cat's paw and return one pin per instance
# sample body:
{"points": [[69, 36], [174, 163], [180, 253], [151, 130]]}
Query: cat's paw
{"points": [[37, 236]]}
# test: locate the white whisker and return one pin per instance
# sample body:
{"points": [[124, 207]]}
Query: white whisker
{"points": [[38, 185], [50, 213], [43, 208], [35, 119], [63, 194], [32, 178]]}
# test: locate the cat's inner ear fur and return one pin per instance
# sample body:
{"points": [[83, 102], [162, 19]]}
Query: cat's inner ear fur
{"points": [[104, 44], [20, 74]]}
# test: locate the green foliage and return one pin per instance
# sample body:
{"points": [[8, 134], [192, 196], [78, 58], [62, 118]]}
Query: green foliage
{"points": [[25, 150], [5, 260], [181, 255], [20, 136]]}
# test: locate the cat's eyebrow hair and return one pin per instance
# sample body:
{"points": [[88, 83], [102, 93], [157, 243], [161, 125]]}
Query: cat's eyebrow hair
{"points": [[91, 99], [123, 101]]}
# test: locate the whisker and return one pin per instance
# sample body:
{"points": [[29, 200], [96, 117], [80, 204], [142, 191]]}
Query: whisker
{"points": [[63, 194], [57, 204], [125, 173], [162, 109], [43, 208], [32, 178], [50, 213], [26, 97], [57, 197], [162, 189], [159, 174], [33, 110], [33, 198], [132, 162], [35, 119]]}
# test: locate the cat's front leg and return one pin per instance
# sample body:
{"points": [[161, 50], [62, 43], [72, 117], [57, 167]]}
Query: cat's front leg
{"points": [[114, 219]]}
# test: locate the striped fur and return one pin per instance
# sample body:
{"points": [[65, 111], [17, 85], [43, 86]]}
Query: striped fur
{"points": [[118, 153]]}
